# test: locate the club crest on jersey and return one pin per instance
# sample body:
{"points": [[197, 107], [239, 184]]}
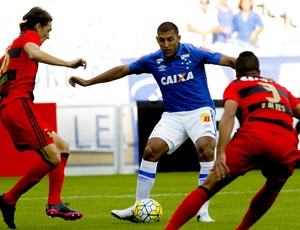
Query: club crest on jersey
{"points": [[176, 78], [48, 133], [184, 56], [205, 117], [159, 60]]}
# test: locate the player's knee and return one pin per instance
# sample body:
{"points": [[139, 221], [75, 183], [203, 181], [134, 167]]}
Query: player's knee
{"points": [[205, 151], [52, 156], [64, 147], [150, 155], [55, 160], [206, 154], [61, 145]]}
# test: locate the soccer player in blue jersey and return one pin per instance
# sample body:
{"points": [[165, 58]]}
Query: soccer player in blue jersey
{"points": [[179, 70]]}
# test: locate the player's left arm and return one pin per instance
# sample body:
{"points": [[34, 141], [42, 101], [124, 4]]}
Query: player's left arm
{"points": [[225, 128], [227, 61]]}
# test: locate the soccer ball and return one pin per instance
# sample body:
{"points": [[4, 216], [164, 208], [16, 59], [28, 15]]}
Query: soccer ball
{"points": [[148, 210]]}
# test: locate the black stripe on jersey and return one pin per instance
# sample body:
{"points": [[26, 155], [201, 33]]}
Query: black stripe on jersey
{"points": [[36, 128], [277, 122], [245, 92], [14, 52]]}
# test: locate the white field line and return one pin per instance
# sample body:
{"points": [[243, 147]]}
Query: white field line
{"points": [[153, 195]]}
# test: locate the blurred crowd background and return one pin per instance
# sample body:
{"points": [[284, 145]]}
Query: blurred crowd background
{"points": [[269, 28], [109, 29]]}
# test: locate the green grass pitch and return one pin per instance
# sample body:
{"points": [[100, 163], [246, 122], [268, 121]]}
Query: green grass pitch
{"points": [[96, 196]]}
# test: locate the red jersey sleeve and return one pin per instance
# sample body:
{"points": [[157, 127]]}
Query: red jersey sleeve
{"points": [[231, 93]]}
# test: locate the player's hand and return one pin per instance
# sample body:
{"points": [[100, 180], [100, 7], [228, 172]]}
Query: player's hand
{"points": [[77, 80], [77, 63], [220, 168]]}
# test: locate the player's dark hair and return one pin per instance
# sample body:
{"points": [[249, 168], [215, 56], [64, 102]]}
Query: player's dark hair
{"points": [[246, 62], [166, 27], [34, 16]]}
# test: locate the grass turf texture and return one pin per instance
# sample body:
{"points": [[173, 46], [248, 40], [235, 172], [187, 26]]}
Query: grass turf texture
{"points": [[96, 196]]}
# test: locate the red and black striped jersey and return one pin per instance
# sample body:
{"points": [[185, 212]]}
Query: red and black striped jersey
{"points": [[18, 72], [261, 99]]}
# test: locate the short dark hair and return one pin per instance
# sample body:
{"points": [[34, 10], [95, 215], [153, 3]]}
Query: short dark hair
{"points": [[34, 16], [167, 26], [246, 62]]}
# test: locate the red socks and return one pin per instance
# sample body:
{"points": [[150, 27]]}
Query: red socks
{"points": [[188, 208], [259, 205], [56, 180], [31, 178]]}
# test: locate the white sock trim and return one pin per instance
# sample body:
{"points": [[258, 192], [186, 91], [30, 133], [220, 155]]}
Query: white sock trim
{"points": [[149, 164], [209, 164]]}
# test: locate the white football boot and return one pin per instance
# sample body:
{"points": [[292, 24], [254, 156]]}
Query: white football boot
{"points": [[203, 216], [125, 214]]}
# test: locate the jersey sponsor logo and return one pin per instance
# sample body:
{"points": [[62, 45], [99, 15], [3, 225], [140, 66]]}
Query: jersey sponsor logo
{"points": [[176, 78], [205, 117]]}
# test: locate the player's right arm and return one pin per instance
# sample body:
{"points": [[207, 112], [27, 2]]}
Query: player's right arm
{"points": [[227, 61], [109, 75]]}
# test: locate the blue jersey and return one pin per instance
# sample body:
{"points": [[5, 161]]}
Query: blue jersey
{"points": [[182, 79]]}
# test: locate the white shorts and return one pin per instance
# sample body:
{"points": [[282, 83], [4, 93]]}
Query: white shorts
{"points": [[175, 128]]}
